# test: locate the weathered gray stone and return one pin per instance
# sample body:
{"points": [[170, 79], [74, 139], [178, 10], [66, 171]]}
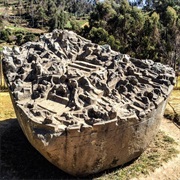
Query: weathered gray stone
{"points": [[85, 107]]}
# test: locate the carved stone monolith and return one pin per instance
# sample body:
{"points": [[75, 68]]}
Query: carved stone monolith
{"points": [[85, 107]]}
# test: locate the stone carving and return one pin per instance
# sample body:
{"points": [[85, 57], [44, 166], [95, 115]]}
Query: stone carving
{"points": [[83, 106]]}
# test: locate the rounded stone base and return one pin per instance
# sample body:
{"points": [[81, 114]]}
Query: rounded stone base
{"points": [[97, 148]]}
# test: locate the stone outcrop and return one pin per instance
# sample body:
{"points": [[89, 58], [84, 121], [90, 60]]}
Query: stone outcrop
{"points": [[85, 107]]}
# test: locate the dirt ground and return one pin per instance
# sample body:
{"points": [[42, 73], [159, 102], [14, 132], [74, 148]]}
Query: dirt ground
{"points": [[171, 169]]}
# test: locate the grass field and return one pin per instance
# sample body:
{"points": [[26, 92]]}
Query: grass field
{"points": [[174, 100], [6, 108], [80, 22], [172, 110], [177, 86], [15, 29]]}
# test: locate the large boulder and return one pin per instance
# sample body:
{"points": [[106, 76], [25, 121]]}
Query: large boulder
{"points": [[85, 107]]}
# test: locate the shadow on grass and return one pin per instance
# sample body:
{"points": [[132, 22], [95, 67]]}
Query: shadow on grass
{"points": [[19, 160]]}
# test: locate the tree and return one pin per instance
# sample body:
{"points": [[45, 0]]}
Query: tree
{"points": [[148, 33], [59, 20], [4, 35], [6, 3], [31, 12], [170, 17], [98, 35], [41, 18]]}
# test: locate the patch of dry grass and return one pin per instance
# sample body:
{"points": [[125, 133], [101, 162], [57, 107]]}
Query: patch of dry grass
{"points": [[174, 99], [6, 107], [177, 85], [172, 110]]}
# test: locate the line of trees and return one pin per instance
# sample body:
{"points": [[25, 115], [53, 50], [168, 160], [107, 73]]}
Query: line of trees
{"points": [[52, 13], [146, 29], [151, 32]]}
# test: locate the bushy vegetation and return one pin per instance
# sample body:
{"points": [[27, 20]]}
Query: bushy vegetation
{"points": [[151, 32], [50, 13], [144, 29], [18, 37]]}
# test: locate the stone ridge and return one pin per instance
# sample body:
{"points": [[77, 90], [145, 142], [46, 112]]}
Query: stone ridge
{"points": [[65, 81]]}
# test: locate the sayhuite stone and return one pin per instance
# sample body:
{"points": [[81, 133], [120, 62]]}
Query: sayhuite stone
{"points": [[85, 107]]}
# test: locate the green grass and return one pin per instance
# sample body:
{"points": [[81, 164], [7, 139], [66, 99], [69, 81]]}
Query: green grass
{"points": [[15, 29], [12, 2], [168, 139], [68, 25], [81, 22]]}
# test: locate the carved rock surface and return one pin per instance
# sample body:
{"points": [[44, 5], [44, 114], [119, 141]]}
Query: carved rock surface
{"points": [[83, 106]]}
